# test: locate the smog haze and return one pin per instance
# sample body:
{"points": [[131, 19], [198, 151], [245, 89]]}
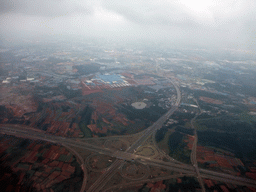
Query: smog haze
{"points": [[210, 23]]}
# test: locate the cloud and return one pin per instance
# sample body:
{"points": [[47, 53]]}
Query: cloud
{"points": [[150, 12], [208, 22], [46, 8], [204, 21]]}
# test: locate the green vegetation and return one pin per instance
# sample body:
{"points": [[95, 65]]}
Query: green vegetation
{"points": [[69, 93], [86, 131], [184, 130], [200, 127], [243, 145], [100, 123], [183, 118], [89, 68], [188, 184], [178, 148], [224, 123], [247, 117], [187, 125], [163, 144], [172, 142], [150, 114], [160, 134], [234, 134], [136, 127], [85, 120]]}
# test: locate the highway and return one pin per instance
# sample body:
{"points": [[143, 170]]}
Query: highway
{"points": [[81, 162], [157, 125], [141, 182], [105, 177], [128, 155], [188, 169], [177, 167], [149, 131], [193, 155], [20, 132], [118, 163]]}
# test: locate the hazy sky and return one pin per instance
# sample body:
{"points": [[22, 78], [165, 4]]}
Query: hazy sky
{"points": [[230, 23]]}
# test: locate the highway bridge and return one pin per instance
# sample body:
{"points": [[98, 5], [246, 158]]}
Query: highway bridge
{"points": [[122, 156], [129, 155], [98, 185]]}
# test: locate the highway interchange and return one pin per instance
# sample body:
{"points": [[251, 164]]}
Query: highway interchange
{"points": [[129, 155], [105, 177]]}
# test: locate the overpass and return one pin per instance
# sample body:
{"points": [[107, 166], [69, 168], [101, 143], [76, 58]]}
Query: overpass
{"points": [[128, 154]]}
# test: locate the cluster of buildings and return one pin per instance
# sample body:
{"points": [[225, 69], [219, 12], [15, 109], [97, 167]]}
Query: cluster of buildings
{"points": [[112, 81], [101, 82]]}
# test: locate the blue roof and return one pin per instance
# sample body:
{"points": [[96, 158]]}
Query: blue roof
{"points": [[111, 78]]}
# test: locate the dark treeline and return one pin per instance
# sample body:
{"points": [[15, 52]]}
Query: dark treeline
{"points": [[150, 114], [85, 120], [175, 140], [189, 184], [69, 93], [5, 113], [185, 130], [161, 133], [241, 146], [87, 69], [227, 124]]}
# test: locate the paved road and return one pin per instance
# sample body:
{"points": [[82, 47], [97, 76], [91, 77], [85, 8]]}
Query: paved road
{"points": [[188, 169], [105, 177], [141, 182], [26, 133], [157, 125], [99, 184], [193, 155], [81, 162]]}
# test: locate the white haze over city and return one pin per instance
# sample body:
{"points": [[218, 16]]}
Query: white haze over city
{"points": [[209, 23]]}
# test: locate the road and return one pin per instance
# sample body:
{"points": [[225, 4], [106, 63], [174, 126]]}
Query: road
{"points": [[33, 134], [193, 155], [127, 155], [141, 182], [105, 177], [187, 169], [157, 125], [81, 162]]}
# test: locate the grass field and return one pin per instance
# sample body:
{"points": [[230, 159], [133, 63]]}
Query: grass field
{"points": [[163, 144]]}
